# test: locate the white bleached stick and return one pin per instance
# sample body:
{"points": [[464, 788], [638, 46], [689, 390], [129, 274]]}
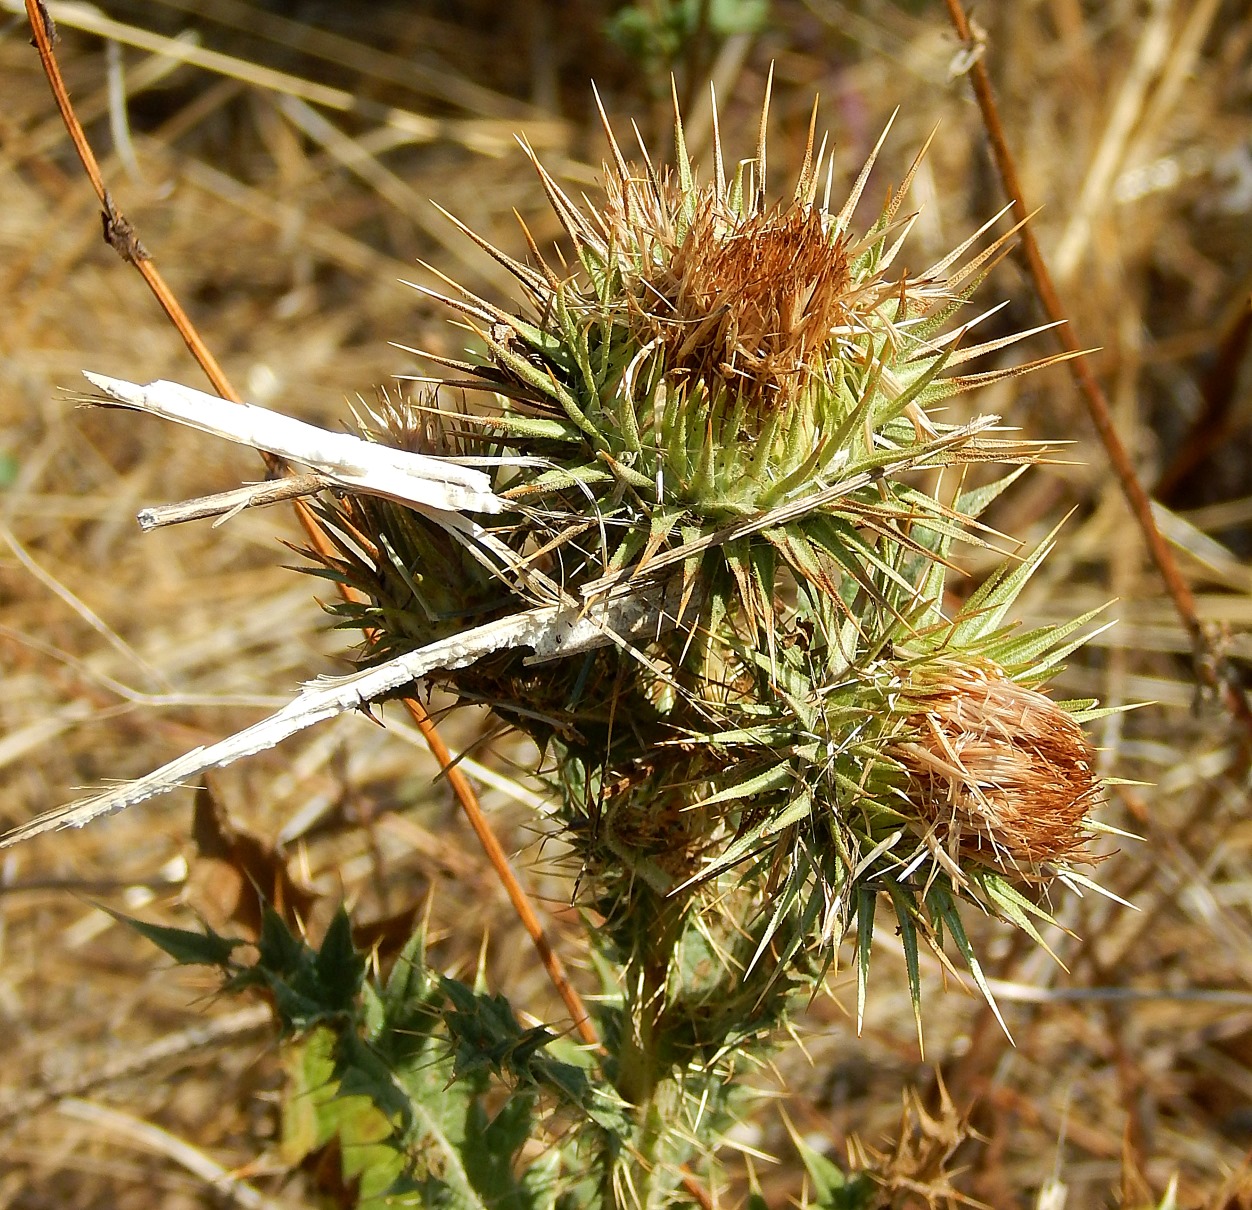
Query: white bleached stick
{"points": [[440, 488], [552, 631], [417, 479]]}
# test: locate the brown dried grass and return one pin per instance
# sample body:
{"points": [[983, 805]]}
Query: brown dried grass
{"points": [[285, 240]]}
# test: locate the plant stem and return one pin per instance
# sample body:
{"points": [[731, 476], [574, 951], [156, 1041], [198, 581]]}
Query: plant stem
{"points": [[645, 1057]]}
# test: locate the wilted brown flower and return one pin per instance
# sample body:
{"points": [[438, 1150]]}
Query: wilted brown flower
{"points": [[1001, 772], [750, 299]]}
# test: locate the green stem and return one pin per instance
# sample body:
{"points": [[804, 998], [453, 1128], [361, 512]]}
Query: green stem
{"points": [[645, 1058]]}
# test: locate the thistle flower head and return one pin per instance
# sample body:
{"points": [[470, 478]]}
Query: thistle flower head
{"points": [[712, 353], [1005, 775], [737, 298]]}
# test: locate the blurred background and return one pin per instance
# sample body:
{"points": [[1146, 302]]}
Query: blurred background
{"points": [[281, 162]]}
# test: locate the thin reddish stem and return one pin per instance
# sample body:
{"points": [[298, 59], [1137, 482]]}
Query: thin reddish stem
{"points": [[1208, 666], [122, 237], [118, 232], [500, 863]]}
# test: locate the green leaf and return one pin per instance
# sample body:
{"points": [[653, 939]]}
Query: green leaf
{"points": [[1050, 664], [983, 612], [808, 560], [316, 1110], [749, 782], [280, 951], [832, 1188], [410, 980], [974, 503], [486, 1037], [187, 948], [531, 428], [1020, 653], [490, 1150], [293, 973], [940, 901], [540, 1184], [866, 901], [340, 969], [799, 808], [906, 908], [363, 1071], [1006, 901]]}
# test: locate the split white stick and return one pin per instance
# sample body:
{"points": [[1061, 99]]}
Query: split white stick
{"points": [[440, 488], [366, 466], [552, 631]]}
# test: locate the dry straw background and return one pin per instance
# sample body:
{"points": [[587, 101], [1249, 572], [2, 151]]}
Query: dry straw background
{"points": [[284, 225]]}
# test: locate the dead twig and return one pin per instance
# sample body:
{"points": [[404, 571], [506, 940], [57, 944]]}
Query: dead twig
{"points": [[122, 236], [226, 504], [1208, 665]]}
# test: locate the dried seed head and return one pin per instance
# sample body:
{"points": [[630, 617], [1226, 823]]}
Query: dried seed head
{"points": [[741, 302], [1001, 772]]}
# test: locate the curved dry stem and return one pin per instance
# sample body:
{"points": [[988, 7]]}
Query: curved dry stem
{"points": [[120, 234], [500, 863], [1207, 664]]}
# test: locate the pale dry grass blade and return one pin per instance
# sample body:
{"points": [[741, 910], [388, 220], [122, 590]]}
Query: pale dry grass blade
{"points": [[126, 1127], [484, 136]]}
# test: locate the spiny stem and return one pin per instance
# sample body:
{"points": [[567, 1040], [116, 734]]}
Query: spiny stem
{"points": [[643, 1074]]}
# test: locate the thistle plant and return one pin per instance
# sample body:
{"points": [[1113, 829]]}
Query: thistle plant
{"points": [[727, 415], [732, 407]]}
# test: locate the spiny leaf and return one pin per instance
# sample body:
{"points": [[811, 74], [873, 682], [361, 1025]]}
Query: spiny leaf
{"points": [[749, 782], [906, 908], [279, 950], [1006, 901], [975, 502], [799, 808], [530, 428], [941, 903], [317, 1110], [1019, 652], [985, 609], [865, 902], [339, 968], [1051, 664], [186, 947]]}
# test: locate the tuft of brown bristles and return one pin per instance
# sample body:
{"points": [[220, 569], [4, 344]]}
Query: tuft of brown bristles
{"points": [[752, 299], [999, 771]]}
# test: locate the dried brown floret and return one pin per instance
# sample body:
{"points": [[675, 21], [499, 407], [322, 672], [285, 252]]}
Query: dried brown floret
{"points": [[1002, 773], [752, 299]]}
